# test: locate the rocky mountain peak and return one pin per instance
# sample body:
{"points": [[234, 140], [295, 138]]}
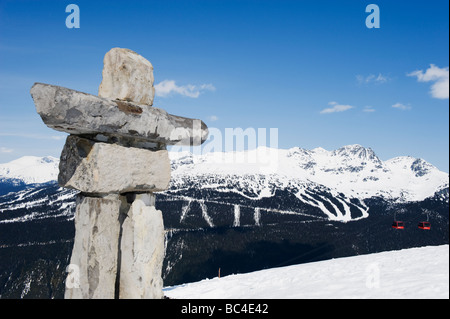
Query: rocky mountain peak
{"points": [[357, 151]]}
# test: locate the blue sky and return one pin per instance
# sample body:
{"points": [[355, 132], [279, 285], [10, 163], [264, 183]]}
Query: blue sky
{"points": [[312, 69]]}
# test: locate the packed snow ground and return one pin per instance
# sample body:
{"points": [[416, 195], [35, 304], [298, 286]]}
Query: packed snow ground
{"points": [[417, 273]]}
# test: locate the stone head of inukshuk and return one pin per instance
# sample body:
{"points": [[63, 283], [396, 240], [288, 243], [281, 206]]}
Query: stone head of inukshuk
{"points": [[116, 157]]}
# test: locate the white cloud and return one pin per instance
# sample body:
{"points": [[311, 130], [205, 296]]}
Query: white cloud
{"points": [[6, 150], [168, 87], [213, 118], [336, 107], [440, 87], [372, 78], [368, 109], [401, 106]]}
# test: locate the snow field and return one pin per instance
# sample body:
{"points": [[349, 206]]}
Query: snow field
{"points": [[416, 273]]}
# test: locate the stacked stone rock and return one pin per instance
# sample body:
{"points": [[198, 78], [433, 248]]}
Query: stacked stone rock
{"points": [[116, 157]]}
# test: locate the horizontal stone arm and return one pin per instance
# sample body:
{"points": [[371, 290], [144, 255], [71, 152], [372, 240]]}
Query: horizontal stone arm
{"points": [[79, 113]]}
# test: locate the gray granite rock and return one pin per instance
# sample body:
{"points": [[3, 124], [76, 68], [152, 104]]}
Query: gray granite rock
{"points": [[93, 265], [79, 113], [127, 76], [102, 168], [142, 251]]}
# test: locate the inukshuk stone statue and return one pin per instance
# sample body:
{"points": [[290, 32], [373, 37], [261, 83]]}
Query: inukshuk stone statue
{"points": [[116, 157]]}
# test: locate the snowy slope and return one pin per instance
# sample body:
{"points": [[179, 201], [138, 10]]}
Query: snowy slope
{"points": [[31, 169], [410, 273]]}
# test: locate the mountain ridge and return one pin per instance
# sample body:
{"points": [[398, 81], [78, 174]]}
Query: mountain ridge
{"points": [[352, 170]]}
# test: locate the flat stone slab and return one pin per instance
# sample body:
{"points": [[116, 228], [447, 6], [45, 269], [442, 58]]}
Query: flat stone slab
{"points": [[79, 113], [102, 168]]}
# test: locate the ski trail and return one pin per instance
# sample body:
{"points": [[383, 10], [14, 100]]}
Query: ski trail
{"points": [[339, 214], [257, 216], [347, 216], [237, 216], [184, 210], [364, 211], [205, 214], [317, 204]]}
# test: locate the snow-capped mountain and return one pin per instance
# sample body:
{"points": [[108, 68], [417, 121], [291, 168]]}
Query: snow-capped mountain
{"points": [[31, 169], [353, 171]]}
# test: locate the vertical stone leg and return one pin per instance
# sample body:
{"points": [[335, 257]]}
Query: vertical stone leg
{"points": [[142, 250], [93, 265]]}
